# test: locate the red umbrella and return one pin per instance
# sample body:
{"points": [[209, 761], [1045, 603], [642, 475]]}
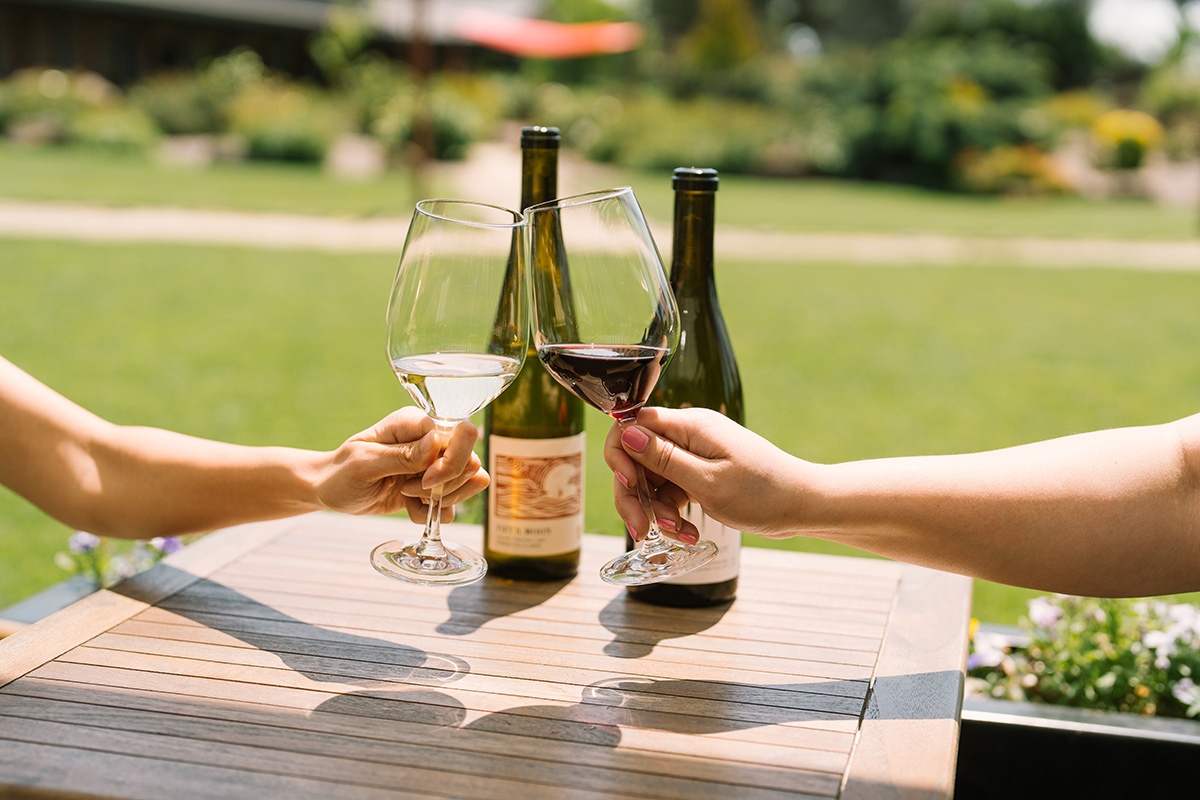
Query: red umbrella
{"points": [[538, 38]]}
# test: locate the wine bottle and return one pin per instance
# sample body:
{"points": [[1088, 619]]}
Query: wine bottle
{"points": [[533, 433], [703, 373]]}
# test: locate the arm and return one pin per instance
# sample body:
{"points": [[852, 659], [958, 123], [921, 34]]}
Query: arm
{"points": [[138, 482], [1113, 512]]}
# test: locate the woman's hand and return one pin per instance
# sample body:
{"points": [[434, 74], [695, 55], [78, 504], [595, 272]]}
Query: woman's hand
{"points": [[395, 465], [741, 479]]}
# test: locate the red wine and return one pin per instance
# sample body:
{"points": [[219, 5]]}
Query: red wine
{"points": [[617, 379]]}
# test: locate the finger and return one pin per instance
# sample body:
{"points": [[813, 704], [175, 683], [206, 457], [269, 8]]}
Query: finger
{"points": [[617, 459], [400, 427], [458, 454], [415, 486], [474, 485], [418, 512], [661, 455]]}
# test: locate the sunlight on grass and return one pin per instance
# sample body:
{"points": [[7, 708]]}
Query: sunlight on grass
{"points": [[839, 362]]}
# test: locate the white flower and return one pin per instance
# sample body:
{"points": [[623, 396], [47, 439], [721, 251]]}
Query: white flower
{"points": [[1186, 692]]}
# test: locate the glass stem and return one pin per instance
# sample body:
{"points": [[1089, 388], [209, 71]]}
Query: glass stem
{"points": [[431, 545], [654, 538], [431, 539]]}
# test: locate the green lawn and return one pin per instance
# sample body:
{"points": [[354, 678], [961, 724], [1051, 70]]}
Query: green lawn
{"points": [[839, 361], [79, 175]]}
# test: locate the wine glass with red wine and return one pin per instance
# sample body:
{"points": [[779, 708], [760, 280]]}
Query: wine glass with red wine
{"points": [[605, 326], [458, 331]]}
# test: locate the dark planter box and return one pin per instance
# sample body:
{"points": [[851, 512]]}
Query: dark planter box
{"points": [[1009, 750]]}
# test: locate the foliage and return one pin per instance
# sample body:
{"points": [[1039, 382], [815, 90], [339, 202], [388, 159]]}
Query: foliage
{"points": [[1124, 136], [42, 104], [285, 121], [121, 129], [1057, 30], [178, 103], [1140, 656], [1009, 169], [1172, 94], [906, 111], [95, 558]]}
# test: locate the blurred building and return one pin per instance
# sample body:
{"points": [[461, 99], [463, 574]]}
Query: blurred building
{"points": [[126, 39]]}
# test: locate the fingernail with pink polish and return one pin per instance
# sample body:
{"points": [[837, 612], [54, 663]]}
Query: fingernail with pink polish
{"points": [[624, 481], [634, 439], [666, 524], [632, 533], [688, 538]]}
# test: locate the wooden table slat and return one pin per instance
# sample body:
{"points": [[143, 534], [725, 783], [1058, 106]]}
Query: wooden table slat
{"points": [[774, 766], [504, 658], [271, 660]]}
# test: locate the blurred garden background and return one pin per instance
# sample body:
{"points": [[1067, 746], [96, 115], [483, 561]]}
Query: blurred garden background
{"points": [[975, 221]]}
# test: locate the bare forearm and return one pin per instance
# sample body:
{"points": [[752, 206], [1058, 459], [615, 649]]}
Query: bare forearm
{"points": [[153, 482], [1108, 513]]}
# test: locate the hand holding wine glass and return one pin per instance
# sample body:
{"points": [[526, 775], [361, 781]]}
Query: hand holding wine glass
{"points": [[458, 326], [606, 325]]}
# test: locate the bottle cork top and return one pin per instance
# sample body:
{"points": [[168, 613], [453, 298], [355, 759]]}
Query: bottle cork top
{"points": [[538, 136], [695, 179]]}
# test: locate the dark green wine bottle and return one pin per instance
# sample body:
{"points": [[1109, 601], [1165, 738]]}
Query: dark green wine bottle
{"points": [[533, 432], [703, 373]]}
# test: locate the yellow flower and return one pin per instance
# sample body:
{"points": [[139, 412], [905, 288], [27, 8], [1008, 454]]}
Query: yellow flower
{"points": [[1125, 136]]}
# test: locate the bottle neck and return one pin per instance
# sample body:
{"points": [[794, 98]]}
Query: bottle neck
{"points": [[539, 175], [692, 245]]}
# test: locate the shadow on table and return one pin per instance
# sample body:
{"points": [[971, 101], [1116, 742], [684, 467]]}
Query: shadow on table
{"points": [[324, 655], [638, 628], [475, 605]]}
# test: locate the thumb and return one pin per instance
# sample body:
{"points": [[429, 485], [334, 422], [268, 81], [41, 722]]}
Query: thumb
{"points": [[662, 456]]}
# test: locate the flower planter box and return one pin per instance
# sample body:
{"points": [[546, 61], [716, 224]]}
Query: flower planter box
{"points": [[1009, 749]]}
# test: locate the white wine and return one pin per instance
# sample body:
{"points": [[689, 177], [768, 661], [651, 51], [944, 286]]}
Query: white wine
{"points": [[704, 374], [533, 434], [453, 386]]}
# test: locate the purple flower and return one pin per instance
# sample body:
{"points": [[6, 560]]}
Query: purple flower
{"points": [[82, 542], [989, 652], [1043, 614], [166, 544]]}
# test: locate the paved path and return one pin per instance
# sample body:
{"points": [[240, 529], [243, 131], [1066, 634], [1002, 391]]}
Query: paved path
{"points": [[494, 165], [84, 223]]}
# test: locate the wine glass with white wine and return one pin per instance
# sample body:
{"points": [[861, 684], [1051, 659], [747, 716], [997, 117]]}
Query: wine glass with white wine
{"points": [[457, 336]]}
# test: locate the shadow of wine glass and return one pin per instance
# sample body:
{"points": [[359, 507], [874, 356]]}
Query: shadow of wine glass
{"points": [[477, 604], [403, 707], [323, 655], [638, 628]]}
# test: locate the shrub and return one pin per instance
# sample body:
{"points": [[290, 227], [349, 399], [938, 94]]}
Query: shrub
{"points": [[1009, 169], [284, 121], [45, 102], [1123, 137], [1140, 656], [906, 111], [456, 119], [117, 129], [179, 103]]}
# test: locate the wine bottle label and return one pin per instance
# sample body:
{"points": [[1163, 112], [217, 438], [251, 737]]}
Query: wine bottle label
{"points": [[535, 502], [729, 549]]}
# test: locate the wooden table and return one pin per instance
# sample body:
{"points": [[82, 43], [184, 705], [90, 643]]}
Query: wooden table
{"points": [[270, 660]]}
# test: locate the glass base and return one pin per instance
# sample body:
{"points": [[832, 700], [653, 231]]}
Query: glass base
{"points": [[401, 561], [669, 559]]}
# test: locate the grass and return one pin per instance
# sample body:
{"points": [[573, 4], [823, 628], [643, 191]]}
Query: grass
{"points": [[839, 361], [79, 175]]}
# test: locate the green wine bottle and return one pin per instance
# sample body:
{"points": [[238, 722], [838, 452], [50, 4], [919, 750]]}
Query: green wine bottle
{"points": [[703, 373], [533, 432]]}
